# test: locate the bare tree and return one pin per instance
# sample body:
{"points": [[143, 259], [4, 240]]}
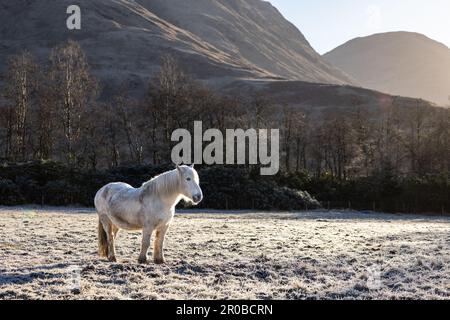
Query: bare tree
{"points": [[21, 83], [73, 89], [417, 126], [364, 145], [45, 121], [166, 93], [130, 120], [112, 135]]}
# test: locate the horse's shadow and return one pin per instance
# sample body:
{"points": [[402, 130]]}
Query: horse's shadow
{"points": [[28, 275]]}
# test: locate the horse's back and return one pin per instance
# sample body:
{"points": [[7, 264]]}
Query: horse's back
{"points": [[106, 193], [120, 203]]}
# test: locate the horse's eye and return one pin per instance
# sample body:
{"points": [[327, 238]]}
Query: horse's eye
{"points": [[188, 179]]}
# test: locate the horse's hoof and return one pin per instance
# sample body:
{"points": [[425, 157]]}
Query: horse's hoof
{"points": [[160, 261], [142, 260], [112, 259]]}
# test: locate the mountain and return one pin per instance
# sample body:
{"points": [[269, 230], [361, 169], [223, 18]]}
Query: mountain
{"points": [[218, 41], [399, 63], [252, 31]]}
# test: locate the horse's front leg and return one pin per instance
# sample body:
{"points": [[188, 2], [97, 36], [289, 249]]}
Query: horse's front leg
{"points": [[146, 236], [158, 252]]}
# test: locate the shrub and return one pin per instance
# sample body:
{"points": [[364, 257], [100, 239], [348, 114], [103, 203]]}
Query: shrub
{"points": [[10, 193]]}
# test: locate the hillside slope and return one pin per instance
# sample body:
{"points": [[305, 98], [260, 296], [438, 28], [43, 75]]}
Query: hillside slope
{"points": [[400, 63], [124, 39], [252, 31]]}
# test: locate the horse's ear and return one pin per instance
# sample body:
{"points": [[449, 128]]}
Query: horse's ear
{"points": [[192, 165]]}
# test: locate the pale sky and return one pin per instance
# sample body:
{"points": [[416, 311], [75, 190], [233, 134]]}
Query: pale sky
{"points": [[329, 23]]}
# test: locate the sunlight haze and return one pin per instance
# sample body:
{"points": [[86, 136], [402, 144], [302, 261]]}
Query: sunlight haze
{"points": [[328, 24]]}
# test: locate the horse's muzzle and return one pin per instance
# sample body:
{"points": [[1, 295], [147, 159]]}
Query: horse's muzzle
{"points": [[197, 198]]}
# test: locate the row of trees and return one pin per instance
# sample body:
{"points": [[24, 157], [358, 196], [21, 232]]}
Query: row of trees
{"points": [[45, 112], [53, 112], [412, 141]]}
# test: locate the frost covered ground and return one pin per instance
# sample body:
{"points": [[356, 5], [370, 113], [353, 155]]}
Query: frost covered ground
{"points": [[52, 254]]}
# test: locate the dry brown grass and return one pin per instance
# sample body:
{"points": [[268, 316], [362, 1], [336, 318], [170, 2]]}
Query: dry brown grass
{"points": [[314, 255]]}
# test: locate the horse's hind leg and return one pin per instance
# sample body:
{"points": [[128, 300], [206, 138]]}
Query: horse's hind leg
{"points": [[115, 231], [110, 234]]}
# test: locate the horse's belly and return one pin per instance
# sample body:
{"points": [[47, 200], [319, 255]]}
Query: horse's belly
{"points": [[129, 224], [126, 216]]}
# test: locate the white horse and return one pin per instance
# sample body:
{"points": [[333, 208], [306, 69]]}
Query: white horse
{"points": [[148, 208]]}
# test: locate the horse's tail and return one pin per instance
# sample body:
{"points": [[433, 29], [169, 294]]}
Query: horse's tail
{"points": [[102, 240]]}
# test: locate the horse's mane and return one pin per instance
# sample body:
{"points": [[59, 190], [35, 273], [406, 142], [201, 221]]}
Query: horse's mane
{"points": [[165, 184]]}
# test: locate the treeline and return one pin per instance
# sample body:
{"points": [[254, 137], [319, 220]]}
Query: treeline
{"points": [[52, 112]]}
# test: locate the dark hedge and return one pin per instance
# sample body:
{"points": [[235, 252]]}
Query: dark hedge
{"points": [[50, 183], [232, 187]]}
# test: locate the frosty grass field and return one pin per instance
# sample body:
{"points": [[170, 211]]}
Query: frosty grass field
{"points": [[51, 253]]}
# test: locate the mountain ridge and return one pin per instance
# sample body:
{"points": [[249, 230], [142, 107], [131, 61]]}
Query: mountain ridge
{"points": [[399, 63]]}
